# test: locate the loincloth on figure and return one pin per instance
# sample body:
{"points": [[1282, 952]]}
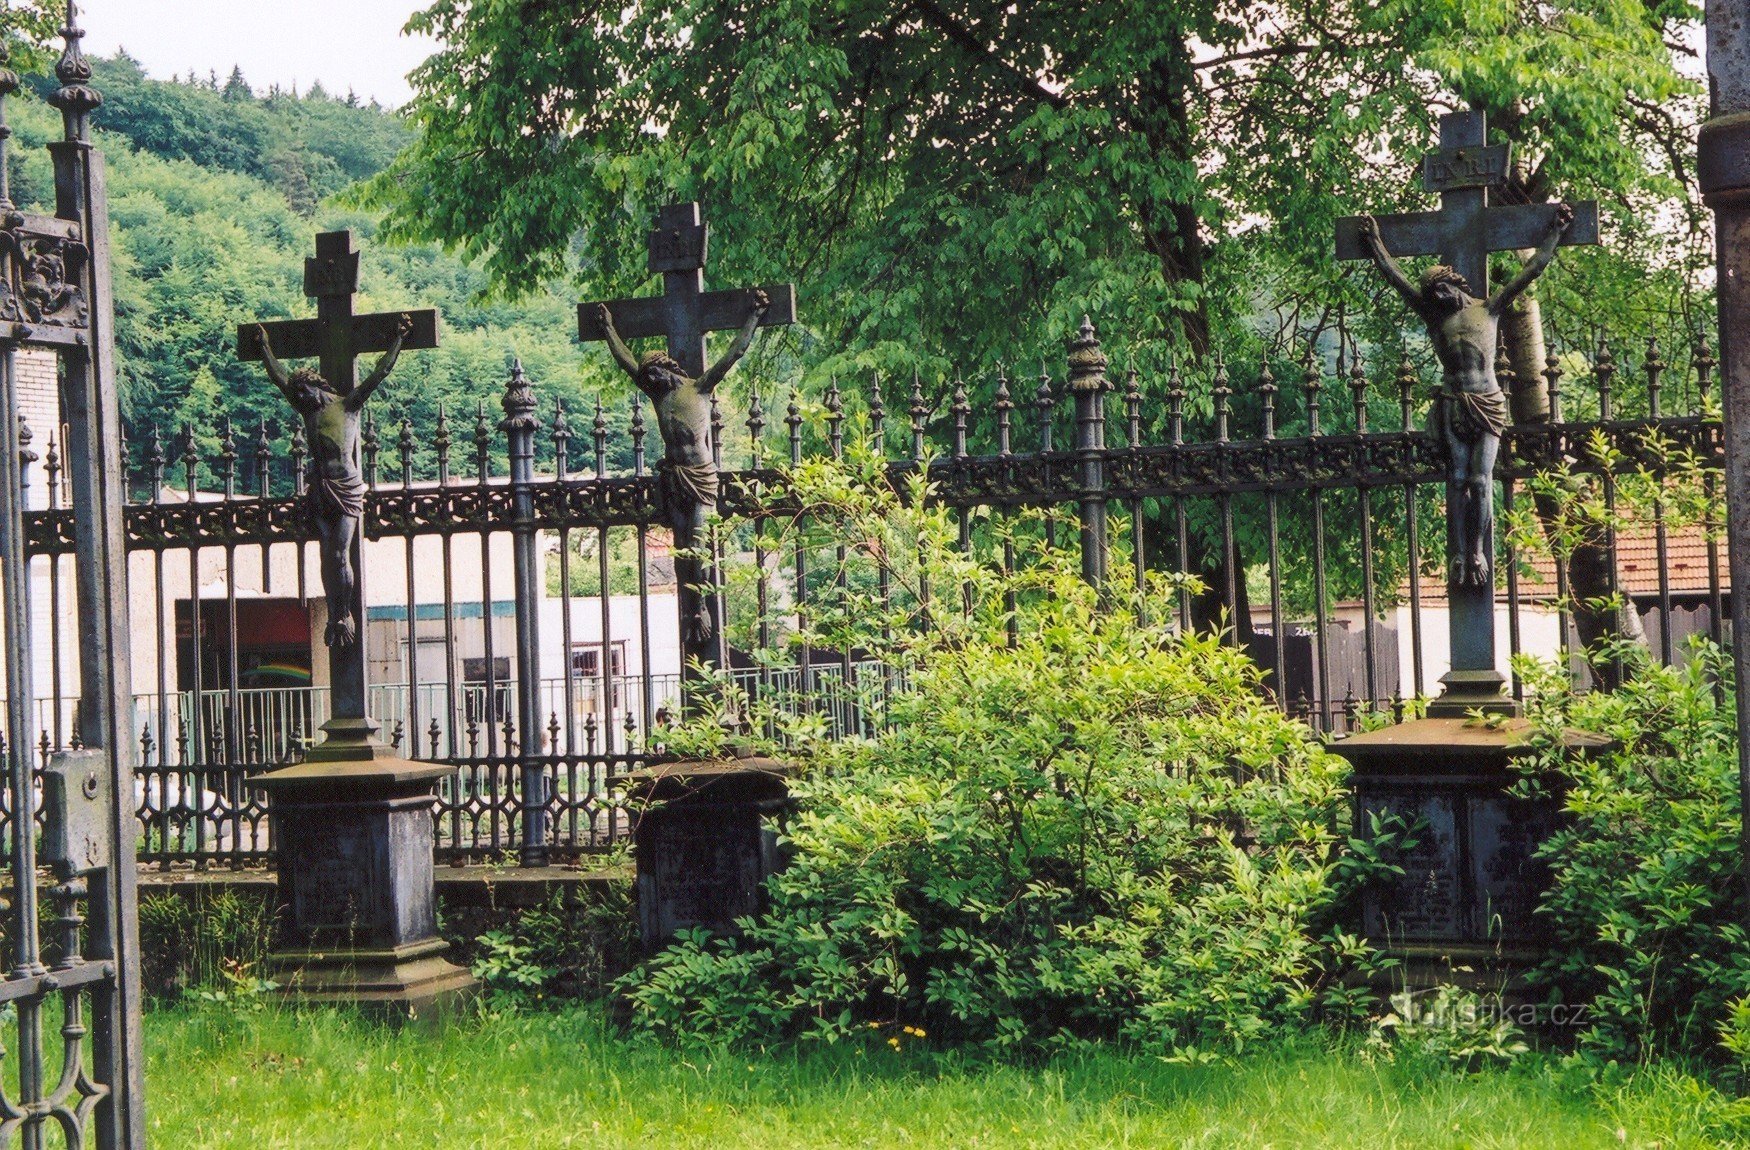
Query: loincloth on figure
{"points": [[1470, 415], [332, 497], [685, 486]]}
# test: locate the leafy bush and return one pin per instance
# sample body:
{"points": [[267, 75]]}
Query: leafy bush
{"points": [[1446, 1026], [204, 938], [1647, 900], [570, 946], [1079, 825]]}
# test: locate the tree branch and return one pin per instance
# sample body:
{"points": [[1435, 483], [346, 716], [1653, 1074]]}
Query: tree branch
{"points": [[940, 19]]}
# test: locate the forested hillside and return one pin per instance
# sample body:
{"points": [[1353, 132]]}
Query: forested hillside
{"points": [[216, 194]]}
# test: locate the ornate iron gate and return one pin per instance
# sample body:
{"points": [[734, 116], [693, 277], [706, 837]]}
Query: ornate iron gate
{"points": [[71, 988]]}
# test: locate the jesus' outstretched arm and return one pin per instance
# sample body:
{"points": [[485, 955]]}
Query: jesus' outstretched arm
{"points": [[1534, 266], [1388, 266], [616, 346], [743, 340], [276, 370], [361, 393]]}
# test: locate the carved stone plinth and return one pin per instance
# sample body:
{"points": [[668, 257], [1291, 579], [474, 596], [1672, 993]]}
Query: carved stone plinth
{"points": [[352, 832], [704, 843], [1462, 911]]}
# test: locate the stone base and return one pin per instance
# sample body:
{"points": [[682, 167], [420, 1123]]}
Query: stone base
{"points": [[352, 833], [1469, 889], [411, 982], [1470, 691]]}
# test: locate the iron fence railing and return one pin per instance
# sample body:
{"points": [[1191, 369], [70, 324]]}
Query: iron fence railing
{"points": [[1307, 502]]}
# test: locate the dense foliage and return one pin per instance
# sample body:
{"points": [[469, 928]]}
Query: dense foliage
{"points": [[1083, 826], [215, 196], [932, 172], [1648, 900], [1098, 832]]}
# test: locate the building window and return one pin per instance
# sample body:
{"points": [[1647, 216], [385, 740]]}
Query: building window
{"points": [[586, 673], [486, 703]]}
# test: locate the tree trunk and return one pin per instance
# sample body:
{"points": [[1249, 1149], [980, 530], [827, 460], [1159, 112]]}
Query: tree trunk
{"points": [[1172, 229], [1589, 569]]}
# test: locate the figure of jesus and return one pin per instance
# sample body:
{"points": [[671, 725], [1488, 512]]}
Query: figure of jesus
{"points": [[1472, 411], [336, 486], [688, 471]]}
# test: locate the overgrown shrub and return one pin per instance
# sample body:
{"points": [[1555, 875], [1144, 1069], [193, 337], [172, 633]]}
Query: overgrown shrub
{"points": [[203, 937], [1647, 901], [571, 946], [1075, 824]]}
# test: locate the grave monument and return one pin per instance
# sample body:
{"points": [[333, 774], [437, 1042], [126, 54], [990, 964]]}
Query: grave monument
{"points": [[352, 823], [1470, 882]]}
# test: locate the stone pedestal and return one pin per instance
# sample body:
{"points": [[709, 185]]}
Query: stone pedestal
{"points": [[1470, 885], [704, 842], [352, 833]]}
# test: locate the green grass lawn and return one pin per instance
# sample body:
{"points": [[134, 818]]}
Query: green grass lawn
{"points": [[313, 1080]]}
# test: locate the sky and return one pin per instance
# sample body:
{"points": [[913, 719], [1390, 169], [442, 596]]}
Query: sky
{"points": [[354, 44]]}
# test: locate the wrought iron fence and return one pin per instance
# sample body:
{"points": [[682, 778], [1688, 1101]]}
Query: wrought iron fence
{"points": [[1305, 514]]}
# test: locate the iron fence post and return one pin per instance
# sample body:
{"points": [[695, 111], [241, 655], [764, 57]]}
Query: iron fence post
{"points": [[1723, 171], [519, 426], [99, 484], [1087, 380]]}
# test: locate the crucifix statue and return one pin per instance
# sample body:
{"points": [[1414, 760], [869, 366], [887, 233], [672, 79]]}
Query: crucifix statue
{"points": [[330, 399], [680, 386], [1462, 316]]}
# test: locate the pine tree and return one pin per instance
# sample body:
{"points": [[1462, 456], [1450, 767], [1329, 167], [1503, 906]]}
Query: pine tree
{"points": [[236, 87]]}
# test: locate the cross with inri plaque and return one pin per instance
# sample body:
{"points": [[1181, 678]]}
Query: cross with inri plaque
{"points": [[1463, 233], [1467, 227], [331, 412], [680, 387], [685, 311]]}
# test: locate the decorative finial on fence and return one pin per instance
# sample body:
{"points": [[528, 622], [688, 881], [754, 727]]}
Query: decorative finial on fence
{"points": [[1655, 368], [482, 443], [1221, 393], [228, 458], [756, 425], [372, 444], [263, 458], [1005, 406], [1704, 365], [561, 436], [1504, 373], [1176, 402], [960, 409], [919, 413], [1603, 371], [155, 462], [441, 440], [1406, 394], [300, 449], [1133, 404], [404, 445], [76, 98], [518, 401], [835, 418], [1552, 375], [1358, 389], [1043, 402], [793, 420], [1267, 390], [1310, 384], [637, 429], [877, 415], [1087, 362], [26, 456], [190, 458]]}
